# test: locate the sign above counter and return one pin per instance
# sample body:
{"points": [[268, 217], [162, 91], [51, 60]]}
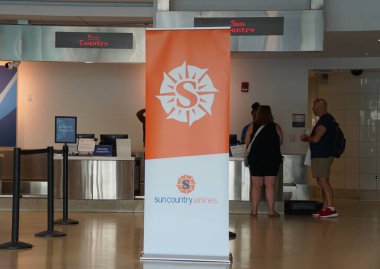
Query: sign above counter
{"points": [[256, 31], [245, 26], [72, 44], [93, 40]]}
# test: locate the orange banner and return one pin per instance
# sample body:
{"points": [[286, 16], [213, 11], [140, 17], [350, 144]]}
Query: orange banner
{"points": [[187, 96]]}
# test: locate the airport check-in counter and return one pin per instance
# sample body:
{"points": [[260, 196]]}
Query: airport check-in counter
{"points": [[240, 184], [291, 183], [89, 177], [239, 180], [33, 173], [295, 178], [97, 177], [115, 178]]}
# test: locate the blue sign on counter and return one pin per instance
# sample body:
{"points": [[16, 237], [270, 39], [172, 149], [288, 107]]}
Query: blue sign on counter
{"points": [[65, 129], [103, 150]]}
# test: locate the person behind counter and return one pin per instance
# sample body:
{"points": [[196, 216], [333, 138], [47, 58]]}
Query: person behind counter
{"points": [[254, 107], [141, 116]]}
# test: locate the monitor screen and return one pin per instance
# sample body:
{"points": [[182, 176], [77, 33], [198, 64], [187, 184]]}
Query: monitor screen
{"points": [[233, 139], [110, 139], [65, 129]]}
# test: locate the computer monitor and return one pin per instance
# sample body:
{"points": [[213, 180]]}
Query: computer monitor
{"points": [[233, 139], [110, 139]]}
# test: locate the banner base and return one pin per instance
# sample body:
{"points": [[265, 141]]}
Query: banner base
{"points": [[187, 258]]}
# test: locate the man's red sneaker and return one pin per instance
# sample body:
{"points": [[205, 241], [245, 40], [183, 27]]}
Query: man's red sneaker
{"points": [[317, 213], [328, 213]]}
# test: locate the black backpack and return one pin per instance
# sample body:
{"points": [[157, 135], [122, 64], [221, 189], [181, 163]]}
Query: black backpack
{"points": [[339, 142]]}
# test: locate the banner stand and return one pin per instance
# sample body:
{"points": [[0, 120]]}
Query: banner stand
{"points": [[186, 208], [182, 265], [183, 258]]}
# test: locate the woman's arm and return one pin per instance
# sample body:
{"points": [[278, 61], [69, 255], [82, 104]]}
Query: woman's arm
{"points": [[279, 133]]}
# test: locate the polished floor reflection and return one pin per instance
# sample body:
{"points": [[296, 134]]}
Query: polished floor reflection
{"points": [[115, 240]]}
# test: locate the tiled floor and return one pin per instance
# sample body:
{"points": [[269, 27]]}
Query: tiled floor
{"points": [[115, 240]]}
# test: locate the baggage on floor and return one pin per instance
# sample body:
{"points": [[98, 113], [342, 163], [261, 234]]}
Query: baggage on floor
{"points": [[301, 207]]}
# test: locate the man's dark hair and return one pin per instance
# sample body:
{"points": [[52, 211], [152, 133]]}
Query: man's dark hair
{"points": [[255, 106]]}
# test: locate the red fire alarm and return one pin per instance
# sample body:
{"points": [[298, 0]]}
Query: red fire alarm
{"points": [[244, 86]]}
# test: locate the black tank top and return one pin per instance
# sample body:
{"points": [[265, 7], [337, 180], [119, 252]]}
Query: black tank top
{"points": [[266, 147]]}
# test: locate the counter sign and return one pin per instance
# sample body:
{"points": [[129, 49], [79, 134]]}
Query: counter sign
{"points": [[93, 40], [245, 26]]}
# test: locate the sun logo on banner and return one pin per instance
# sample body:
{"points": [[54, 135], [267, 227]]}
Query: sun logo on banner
{"points": [[186, 184], [187, 93]]}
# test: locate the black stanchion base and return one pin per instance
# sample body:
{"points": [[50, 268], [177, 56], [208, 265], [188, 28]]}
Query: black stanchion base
{"points": [[15, 245], [66, 222], [49, 234]]}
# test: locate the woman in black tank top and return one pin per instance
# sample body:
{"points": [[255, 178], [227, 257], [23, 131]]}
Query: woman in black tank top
{"points": [[264, 157]]}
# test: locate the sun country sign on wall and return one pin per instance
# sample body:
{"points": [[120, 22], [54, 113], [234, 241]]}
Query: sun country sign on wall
{"points": [[91, 40], [187, 127]]}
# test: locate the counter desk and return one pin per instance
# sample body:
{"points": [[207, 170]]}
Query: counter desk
{"points": [[240, 181], [97, 177], [115, 178]]}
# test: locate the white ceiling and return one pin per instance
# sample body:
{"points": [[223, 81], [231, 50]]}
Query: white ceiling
{"points": [[139, 13]]}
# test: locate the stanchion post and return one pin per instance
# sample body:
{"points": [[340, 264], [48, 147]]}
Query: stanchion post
{"points": [[50, 231], [14, 243], [65, 189]]}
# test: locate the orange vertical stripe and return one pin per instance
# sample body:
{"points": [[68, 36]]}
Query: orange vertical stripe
{"points": [[187, 100]]}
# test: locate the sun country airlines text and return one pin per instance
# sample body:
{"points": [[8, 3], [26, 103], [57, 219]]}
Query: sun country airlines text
{"points": [[185, 200]]}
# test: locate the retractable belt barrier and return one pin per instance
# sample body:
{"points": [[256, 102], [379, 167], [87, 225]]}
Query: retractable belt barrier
{"points": [[50, 232], [65, 189]]}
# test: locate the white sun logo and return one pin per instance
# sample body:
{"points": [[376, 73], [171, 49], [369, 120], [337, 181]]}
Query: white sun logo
{"points": [[187, 93]]}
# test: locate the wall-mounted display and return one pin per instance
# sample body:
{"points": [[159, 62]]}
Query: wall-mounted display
{"points": [[298, 120]]}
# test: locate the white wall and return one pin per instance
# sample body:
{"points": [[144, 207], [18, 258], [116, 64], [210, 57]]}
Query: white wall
{"points": [[105, 97], [282, 84]]}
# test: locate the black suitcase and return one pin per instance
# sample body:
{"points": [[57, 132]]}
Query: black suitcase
{"points": [[301, 207]]}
